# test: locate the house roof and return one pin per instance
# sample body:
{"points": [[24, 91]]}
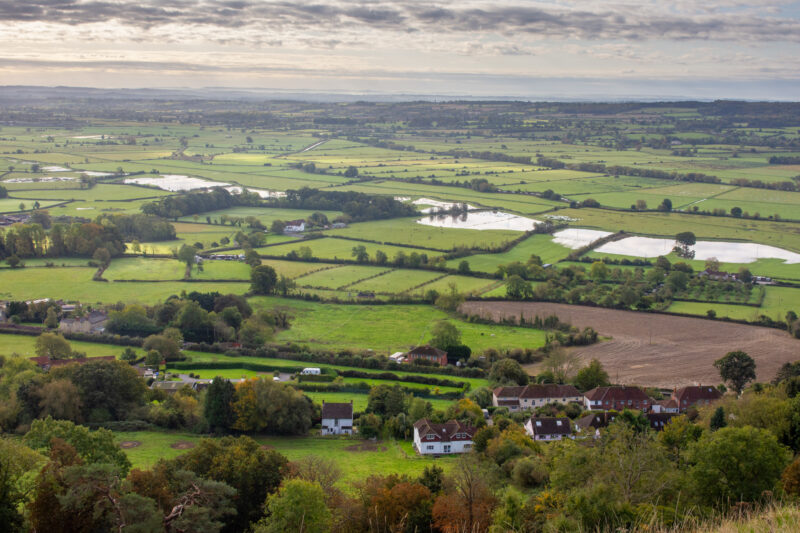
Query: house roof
{"points": [[427, 350], [508, 392], [669, 403], [337, 410], [596, 420], [97, 316], [657, 420], [549, 390], [294, 222], [550, 426], [619, 394], [452, 430], [694, 393]]}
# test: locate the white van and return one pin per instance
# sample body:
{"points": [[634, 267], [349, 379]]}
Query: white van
{"points": [[311, 372]]}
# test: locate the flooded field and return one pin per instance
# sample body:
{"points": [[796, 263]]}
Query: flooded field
{"points": [[481, 220], [727, 252], [575, 238]]}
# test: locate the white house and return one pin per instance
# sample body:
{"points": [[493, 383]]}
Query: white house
{"points": [[295, 226], [311, 371], [337, 418], [548, 428], [530, 396], [440, 439]]}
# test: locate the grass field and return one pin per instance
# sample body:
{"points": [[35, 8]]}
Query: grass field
{"points": [[356, 458], [75, 284], [386, 328], [25, 345], [331, 248], [541, 245]]}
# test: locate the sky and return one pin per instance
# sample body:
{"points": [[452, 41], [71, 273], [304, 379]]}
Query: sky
{"points": [[569, 49]]}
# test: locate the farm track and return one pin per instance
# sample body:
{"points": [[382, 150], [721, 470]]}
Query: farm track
{"points": [[656, 349]]}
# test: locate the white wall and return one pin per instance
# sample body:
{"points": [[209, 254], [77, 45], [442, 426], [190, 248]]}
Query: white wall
{"points": [[335, 426]]}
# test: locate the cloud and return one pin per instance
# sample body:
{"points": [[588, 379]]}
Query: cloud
{"points": [[721, 20]]}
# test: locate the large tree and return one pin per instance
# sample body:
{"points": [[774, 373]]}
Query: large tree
{"points": [[445, 335], [218, 407], [507, 372], [298, 506], [53, 345], [737, 368], [736, 464], [263, 279]]}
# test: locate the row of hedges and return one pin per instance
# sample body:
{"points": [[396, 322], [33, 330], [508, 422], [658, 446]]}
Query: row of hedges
{"points": [[411, 379], [363, 388], [244, 365]]}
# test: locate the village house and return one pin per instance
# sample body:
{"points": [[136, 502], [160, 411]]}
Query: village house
{"points": [[439, 439], [429, 353], [45, 363], [668, 405], [594, 422], [94, 322], [294, 226], [548, 428], [616, 398], [686, 397], [658, 420], [337, 418], [530, 396]]}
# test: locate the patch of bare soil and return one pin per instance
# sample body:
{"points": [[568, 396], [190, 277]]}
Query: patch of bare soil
{"points": [[654, 349], [182, 445], [128, 444], [366, 446]]}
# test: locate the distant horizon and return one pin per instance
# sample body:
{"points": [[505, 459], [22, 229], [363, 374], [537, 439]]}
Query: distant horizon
{"points": [[349, 95]]}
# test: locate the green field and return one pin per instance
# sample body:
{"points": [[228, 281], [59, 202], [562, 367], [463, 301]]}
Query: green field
{"points": [[355, 462], [386, 328]]}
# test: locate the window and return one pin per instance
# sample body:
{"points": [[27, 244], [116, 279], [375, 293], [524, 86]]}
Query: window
{"points": [[539, 423], [446, 448], [429, 447], [558, 422]]}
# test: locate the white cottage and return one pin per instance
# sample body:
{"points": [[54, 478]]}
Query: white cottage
{"points": [[440, 439], [337, 418]]}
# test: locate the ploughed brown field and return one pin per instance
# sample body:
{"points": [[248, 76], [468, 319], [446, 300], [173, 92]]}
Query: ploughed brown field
{"points": [[654, 349]]}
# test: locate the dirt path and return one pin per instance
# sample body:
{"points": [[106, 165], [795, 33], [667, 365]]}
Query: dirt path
{"points": [[659, 350]]}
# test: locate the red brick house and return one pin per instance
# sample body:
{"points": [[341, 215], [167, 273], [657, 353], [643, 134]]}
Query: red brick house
{"points": [[429, 353], [616, 398], [695, 395]]}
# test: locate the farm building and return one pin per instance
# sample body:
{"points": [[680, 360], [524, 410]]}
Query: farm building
{"points": [[529, 396], [94, 322], [548, 428], [295, 226], [686, 397], [428, 353], [337, 418], [439, 439], [616, 398]]}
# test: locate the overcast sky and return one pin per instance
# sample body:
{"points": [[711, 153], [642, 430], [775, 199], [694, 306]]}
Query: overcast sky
{"points": [[519, 48]]}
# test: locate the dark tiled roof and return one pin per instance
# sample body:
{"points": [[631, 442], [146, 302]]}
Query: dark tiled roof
{"points": [[509, 392], [619, 394], [597, 420], [658, 420], [551, 426], [337, 410], [696, 393], [445, 432], [549, 391], [427, 350]]}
